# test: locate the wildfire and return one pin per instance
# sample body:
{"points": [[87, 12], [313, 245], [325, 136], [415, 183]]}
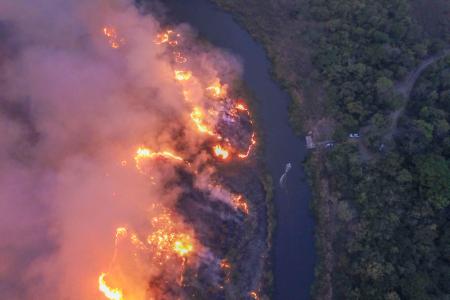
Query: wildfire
{"points": [[113, 38], [137, 242], [221, 152], [240, 203], [217, 90], [250, 147], [183, 247], [110, 293], [168, 239], [121, 232], [169, 37], [241, 106], [197, 116], [145, 153], [224, 264], [254, 295], [182, 75]]}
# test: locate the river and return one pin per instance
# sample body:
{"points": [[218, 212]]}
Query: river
{"points": [[294, 252]]}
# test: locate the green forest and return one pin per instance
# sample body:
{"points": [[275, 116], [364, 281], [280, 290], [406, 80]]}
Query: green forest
{"points": [[393, 240], [391, 187]]}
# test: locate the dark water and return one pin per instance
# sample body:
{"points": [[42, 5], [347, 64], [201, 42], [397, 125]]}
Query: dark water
{"points": [[294, 243]]}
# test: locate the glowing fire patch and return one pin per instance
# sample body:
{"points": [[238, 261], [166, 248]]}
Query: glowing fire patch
{"points": [[221, 152], [217, 90], [167, 238], [112, 36], [254, 295], [121, 232], [182, 75], [240, 203], [224, 264], [183, 248], [169, 37], [197, 117], [241, 106], [110, 293], [143, 153], [250, 147]]}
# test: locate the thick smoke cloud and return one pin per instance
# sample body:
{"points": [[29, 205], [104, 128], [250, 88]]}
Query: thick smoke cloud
{"points": [[72, 112]]}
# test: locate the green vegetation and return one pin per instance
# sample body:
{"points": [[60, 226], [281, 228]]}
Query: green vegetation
{"points": [[396, 245], [382, 202], [363, 47]]}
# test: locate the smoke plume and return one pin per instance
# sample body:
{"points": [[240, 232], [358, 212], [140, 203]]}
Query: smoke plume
{"points": [[83, 86]]}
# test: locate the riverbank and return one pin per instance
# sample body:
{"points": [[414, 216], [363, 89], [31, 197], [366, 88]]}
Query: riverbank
{"points": [[307, 113]]}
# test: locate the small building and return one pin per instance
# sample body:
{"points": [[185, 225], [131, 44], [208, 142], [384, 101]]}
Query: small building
{"points": [[309, 142]]}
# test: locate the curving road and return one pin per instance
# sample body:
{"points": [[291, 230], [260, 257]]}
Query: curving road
{"points": [[405, 87]]}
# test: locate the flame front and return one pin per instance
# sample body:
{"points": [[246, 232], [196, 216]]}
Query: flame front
{"points": [[197, 117], [217, 90], [170, 37], [112, 36], [241, 106], [221, 152], [110, 293], [182, 75], [143, 154], [240, 203], [183, 247], [168, 241]]}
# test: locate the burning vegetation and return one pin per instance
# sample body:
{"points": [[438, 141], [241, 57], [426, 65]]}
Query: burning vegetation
{"points": [[222, 123], [138, 151]]}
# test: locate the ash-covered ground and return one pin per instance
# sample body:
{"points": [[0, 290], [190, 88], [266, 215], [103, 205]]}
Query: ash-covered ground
{"points": [[236, 237]]}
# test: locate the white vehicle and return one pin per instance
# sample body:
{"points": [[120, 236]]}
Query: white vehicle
{"points": [[354, 135]]}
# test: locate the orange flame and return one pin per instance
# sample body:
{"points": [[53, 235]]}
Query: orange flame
{"points": [[182, 75], [221, 152], [113, 38], [224, 264], [167, 37], [183, 247], [217, 90], [120, 233], [250, 147], [254, 295], [241, 106], [110, 293], [197, 116], [145, 153], [240, 203], [167, 238]]}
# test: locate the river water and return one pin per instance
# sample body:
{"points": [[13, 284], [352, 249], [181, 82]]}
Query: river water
{"points": [[294, 253]]}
